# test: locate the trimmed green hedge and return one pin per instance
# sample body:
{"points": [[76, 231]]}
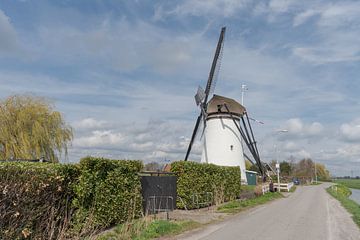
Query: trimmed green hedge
{"points": [[35, 199], [108, 192], [199, 178], [52, 201]]}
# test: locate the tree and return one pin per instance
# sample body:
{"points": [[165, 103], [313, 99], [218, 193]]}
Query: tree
{"points": [[305, 168], [31, 129], [321, 172], [248, 164], [285, 168]]}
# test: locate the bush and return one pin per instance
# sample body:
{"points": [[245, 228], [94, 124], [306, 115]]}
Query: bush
{"points": [[108, 192], [35, 200], [55, 201], [200, 178]]}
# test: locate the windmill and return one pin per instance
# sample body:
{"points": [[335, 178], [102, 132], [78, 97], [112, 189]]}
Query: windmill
{"points": [[225, 125]]}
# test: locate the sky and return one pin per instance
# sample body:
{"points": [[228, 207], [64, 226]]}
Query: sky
{"points": [[124, 73]]}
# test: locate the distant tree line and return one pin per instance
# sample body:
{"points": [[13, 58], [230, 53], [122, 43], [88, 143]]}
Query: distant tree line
{"points": [[304, 169]]}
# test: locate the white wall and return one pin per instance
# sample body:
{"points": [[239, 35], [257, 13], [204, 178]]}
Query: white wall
{"points": [[220, 134]]}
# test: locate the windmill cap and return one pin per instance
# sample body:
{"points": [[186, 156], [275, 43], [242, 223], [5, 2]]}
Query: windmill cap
{"points": [[216, 105]]}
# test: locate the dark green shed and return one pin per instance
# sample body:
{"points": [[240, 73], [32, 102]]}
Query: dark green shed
{"points": [[251, 177]]}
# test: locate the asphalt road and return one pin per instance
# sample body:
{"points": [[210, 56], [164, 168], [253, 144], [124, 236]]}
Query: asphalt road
{"points": [[309, 213]]}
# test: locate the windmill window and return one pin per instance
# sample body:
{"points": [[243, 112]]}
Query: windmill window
{"points": [[231, 147]]}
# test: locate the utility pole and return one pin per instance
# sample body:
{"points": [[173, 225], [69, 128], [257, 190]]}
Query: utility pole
{"points": [[277, 166], [277, 159]]}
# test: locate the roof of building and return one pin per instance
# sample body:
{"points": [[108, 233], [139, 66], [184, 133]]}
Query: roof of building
{"points": [[216, 105]]}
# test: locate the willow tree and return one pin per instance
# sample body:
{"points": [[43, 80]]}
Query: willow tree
{"points": [[31, 129]]}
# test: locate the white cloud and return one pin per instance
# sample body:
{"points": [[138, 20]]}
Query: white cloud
{"points": [[221, 8], [351, 131], [315, 128], [89, 123], [296, 128], [8, 39], [100, 139], [336, 35], [280, 6], [143, 46], [152, 142], [304, 16]]}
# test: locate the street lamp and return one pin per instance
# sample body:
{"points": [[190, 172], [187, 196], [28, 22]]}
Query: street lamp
{"points": [[277, 159]]}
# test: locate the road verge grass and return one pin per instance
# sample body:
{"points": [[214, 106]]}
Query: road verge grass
{"points": [[293, 188], [342, 193], [240, 205], [145, 229], [350, 183]]}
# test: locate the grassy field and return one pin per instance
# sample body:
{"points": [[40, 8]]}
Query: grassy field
{"points": [[351, 183], [237, 206], [342, 194]]}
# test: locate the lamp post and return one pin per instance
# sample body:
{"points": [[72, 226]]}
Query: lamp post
{"points": [[277, 159]]}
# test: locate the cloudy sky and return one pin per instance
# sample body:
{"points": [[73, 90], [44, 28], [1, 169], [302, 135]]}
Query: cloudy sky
{"points": [[124, 73]]}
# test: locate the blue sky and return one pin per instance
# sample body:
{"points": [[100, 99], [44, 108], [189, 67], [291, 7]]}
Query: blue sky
{"points": [[124, 73]]}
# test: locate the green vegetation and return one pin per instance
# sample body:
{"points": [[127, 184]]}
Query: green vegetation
{"points": [[342, 193], [292, 189], [35, 199], [143, 229], [351, 183], [108, 192], [31, 129], [200, 178], [53, 201], [240, 205]]}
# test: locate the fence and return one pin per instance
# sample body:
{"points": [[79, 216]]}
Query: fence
{"points": [[284, 186]]}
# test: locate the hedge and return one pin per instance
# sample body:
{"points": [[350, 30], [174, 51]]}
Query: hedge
{"points": [[200, 178], [108, 192], [35, 199], [54, 201]]}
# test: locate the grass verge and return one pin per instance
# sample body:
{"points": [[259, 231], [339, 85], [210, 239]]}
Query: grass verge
{"points": [[342, 193], [144, 229], [240, 205], [292, 189], [350, 183]]}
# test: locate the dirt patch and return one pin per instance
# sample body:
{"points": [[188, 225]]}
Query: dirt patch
{"points": [[203, 215]]}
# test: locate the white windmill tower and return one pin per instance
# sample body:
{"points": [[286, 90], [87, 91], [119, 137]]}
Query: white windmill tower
{"points": [[225, 125]]}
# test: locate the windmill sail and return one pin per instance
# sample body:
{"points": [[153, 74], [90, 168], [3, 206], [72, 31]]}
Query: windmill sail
{"points": [[209, 86]]}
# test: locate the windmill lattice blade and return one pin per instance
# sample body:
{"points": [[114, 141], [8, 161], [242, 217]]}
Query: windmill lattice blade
{"points": [[193, 136], [217, 69], [214, 63]]}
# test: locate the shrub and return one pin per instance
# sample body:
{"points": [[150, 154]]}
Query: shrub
{"points": [[200, 178], [57, 201], [35, 199], [108, 192]]}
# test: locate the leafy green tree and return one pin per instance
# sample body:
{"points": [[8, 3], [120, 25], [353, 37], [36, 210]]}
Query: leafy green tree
{"points": [[285, 168], [321, 172], [31, 129]]}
